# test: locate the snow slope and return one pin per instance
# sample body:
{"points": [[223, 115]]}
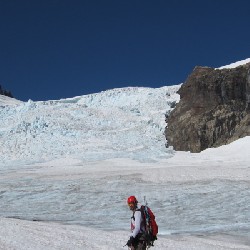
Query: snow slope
{"points": [[235, 64], [112, 124], [7, 101], [23, 235]]}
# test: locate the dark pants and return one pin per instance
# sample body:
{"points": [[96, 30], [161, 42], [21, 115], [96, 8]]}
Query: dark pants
{"points": [[140, 243], [141, 246]]}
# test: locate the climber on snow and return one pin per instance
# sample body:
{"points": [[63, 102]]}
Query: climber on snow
{"points": [[137, 239]]}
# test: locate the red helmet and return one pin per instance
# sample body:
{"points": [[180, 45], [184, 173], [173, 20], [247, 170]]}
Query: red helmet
{"points": [[132, 199]]}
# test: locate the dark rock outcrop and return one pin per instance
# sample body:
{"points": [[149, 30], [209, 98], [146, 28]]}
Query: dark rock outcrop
{"points": [[5, 92], [214, 109]]}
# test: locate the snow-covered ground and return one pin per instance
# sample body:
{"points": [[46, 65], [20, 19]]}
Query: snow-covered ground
{"points": [[201, 201], [68, 166]]}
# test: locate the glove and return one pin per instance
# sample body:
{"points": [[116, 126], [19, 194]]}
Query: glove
{"points": [[131, 241]]}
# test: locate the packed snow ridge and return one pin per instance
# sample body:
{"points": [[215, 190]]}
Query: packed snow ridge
{"points": [[236, 64]]}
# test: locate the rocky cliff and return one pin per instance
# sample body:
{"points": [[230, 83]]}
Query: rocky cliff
{"points": [[214, 109]]}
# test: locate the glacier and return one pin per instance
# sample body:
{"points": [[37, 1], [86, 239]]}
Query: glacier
{"points": [[67, 167], [116, 123]]}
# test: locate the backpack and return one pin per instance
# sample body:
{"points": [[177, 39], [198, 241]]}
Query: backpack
{"points": [[151, 226]]}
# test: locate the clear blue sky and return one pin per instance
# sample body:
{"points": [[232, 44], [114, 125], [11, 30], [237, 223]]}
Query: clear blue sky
{"points": [[52, 49]]}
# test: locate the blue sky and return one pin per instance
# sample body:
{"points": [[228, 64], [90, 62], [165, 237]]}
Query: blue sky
{"points": [[52, 49]]}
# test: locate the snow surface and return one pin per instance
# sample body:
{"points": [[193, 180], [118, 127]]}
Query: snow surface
{"points": [[236, 64], [67, 167], [117, 123], [6, 101], [201, 201]]}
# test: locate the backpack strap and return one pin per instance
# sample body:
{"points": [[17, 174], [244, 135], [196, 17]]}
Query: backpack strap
{"points": [[133, 216], [143, 215]]}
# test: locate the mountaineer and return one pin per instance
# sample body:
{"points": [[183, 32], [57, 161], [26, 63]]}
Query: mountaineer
{"points": [[137, 239]]}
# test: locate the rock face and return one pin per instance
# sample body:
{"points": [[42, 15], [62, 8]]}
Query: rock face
{"points": [[214, 109]]}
